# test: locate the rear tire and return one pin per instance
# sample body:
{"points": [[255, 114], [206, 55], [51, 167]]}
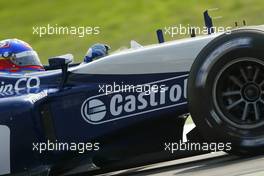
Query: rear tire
{"points": [[226, 91]]}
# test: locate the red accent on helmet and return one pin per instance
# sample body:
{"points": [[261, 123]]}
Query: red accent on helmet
{"points": [[7, 65]]}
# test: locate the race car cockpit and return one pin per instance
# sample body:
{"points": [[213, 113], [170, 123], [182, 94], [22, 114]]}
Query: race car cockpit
{"points": [[17, 56]]}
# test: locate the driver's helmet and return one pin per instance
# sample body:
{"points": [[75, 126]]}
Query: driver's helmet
{"points": [[17, 56]]}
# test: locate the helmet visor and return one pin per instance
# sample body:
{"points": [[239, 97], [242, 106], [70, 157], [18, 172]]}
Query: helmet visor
{"points": [[26, 58]]}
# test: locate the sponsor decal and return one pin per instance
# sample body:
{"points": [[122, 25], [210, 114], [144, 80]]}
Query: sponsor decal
{"points": [[19, 86], [104, 108], [36, 97], [95, 110]]}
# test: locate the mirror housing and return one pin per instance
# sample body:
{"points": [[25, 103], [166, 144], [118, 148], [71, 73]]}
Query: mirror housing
{"points": [[61, 62]]}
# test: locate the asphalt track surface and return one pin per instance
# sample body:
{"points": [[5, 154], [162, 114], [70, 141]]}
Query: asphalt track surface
{"points": [[212, 164]]}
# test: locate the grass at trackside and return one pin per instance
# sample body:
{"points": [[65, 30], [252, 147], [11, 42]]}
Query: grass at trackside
{"points": [[119, 21]]}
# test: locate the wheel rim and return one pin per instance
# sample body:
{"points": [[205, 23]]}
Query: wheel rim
{"points": [[238, 93]]}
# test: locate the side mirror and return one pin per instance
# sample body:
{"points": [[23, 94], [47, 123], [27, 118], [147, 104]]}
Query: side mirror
{"points": [[61, 62]]}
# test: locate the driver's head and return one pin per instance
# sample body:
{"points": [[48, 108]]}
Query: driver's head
{"points": [[17, 56]]}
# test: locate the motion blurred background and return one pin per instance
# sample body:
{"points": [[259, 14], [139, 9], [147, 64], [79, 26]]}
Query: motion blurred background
{"points": [[119, 20]]}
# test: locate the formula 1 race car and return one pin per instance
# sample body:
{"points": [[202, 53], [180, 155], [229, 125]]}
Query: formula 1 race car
{"points": [[123, 107]]}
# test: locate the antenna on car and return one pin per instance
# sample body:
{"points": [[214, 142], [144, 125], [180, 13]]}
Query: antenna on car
{"points": [[160, 36], [208, 22]]}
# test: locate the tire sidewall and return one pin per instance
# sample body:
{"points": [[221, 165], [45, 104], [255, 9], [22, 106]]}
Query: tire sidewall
{"points": [[200, 86]]}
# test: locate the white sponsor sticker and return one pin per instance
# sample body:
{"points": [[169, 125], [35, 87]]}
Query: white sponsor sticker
{"points": [[4, 150]]}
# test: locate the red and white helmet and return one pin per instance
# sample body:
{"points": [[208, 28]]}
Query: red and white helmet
{"points": [[17, 56]]}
